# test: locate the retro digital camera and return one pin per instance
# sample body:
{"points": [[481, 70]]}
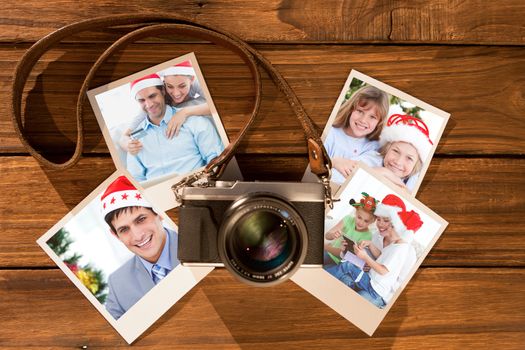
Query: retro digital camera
{"points": [[262, 232]]}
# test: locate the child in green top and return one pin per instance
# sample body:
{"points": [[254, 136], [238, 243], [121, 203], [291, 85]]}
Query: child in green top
{"points": [[354, 228]]}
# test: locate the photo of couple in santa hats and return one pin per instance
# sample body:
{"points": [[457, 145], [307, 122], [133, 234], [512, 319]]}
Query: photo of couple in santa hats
{"points": [[160, 125]]}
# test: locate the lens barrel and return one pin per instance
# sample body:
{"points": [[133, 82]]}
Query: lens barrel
{"points": [[262, 239]]}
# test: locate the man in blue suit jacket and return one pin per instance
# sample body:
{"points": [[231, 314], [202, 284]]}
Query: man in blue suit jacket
{"points": [[134, 223]]}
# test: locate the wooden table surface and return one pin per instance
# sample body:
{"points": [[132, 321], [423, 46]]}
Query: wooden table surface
{"points": [[465, 57]]}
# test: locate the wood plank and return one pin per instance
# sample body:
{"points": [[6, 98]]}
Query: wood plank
{"points": [[439, 21], [465, 57], [485, 209], [439, 306], [481, 87]]}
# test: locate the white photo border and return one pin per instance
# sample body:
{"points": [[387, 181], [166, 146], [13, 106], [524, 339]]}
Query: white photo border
{"points": [[348, 303], [152, 305], [159, 190]]}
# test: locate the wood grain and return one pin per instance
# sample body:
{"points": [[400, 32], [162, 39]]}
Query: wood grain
{"points": [[441, 21], [482, 88], [465, 57], [486, 226], [221, 313]]}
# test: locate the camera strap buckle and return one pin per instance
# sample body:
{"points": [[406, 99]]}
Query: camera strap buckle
{"points": [[328, 198]]}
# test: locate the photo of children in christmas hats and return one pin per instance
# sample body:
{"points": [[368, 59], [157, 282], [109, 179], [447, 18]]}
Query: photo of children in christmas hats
{"points": [[389, 256], [383, 128], [376, 237]]}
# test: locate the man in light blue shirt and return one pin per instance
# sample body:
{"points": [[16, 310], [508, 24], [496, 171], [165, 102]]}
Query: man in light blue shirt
{"points": [[196, 145]]}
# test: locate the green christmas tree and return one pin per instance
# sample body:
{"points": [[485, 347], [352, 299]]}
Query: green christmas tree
{"points": [[90, 277], [355, 85], [60, 243], [412, 111]]}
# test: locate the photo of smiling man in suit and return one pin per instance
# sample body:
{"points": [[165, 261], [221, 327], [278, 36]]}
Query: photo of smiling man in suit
{"points": [[135, 224]]}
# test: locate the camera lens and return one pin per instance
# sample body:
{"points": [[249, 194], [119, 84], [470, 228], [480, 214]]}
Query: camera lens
{"points": [[262, 239]]}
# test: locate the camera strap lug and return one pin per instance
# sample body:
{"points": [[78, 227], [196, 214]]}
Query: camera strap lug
{"points": [[198, 179]]}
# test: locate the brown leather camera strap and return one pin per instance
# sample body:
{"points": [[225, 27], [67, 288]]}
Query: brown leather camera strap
{"points": [[159, 24]]}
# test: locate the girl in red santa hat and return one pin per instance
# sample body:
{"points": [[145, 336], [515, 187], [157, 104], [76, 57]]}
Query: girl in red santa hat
{"points": [[183, 91], [404, 145], [391, 260]]}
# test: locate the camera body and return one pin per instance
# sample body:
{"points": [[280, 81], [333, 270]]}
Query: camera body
{"points": [[261, 231]]}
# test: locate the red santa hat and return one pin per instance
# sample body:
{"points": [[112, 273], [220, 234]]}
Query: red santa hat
{"points": [[183, 68], [405, 223], [405, 128], [120, 194], [145, 82]]}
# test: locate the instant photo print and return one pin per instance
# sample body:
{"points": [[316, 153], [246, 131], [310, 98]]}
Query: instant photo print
{"points": [[132, 277], [160, 124], [376, 237], [388, 130]]}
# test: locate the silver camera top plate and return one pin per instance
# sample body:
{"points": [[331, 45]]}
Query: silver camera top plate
{"points": [[293, 191]]}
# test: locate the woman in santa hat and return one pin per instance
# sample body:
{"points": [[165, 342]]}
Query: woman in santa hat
{"points": [[392, 258], [183, 91], [404, 145]]}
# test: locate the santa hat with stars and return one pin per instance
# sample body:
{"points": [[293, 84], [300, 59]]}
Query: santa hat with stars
{"points": [[120, 194], [149, 80]]}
